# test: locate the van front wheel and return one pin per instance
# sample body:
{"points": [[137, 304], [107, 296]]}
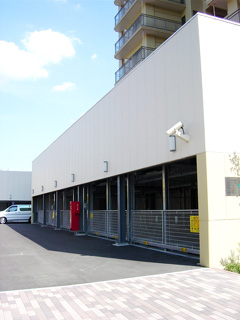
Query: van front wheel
{"points": [[3, 220]]}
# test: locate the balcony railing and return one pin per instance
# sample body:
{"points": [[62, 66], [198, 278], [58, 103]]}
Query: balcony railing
{"points": [[129, 4], [235, 16], [123, 10], [147, 21], [140, 55]]}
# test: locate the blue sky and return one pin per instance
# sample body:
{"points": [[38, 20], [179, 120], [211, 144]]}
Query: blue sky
{"points": [[56, 62]]}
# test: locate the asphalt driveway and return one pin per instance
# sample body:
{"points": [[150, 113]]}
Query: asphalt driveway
{"points": [[32, 256]]}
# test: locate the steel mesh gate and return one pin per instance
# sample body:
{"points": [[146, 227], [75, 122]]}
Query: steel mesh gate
{"points": [[40, 216], [51, 218], [166, 229], [146, 226], [104, 223], [177, 230], [169, 229], [65, 219]]}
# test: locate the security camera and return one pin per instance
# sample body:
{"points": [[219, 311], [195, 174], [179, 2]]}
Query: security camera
{"points": [[175, 128], [178, 131]]}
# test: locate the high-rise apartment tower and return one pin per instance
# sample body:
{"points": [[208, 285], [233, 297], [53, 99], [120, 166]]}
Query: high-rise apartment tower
{"points": [[143, 25]]}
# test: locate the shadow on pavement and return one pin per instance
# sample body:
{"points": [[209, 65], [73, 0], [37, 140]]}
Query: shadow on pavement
{"points": [[32, 256], [66, 242]]}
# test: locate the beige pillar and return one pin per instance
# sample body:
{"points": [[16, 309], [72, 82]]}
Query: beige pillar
{"points": [[219, 215]]}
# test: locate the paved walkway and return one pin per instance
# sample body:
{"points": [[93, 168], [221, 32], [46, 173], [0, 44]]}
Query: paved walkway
{"points": [[193, 294]]}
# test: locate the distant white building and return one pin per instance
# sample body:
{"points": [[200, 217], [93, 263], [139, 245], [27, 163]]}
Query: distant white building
{"points": [[15, 187]]}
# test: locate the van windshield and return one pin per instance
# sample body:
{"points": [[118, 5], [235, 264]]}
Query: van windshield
{"points": [[12, 209]]}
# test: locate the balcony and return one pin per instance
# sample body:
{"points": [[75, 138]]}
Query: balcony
{"points": [[147, 22], [235, 16], [133, 8], [118, 2], [123, 10], [140, 55], [217, 8]]}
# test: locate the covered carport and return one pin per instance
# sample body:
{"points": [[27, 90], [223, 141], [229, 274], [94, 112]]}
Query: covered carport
{"points": [[154, 207]]}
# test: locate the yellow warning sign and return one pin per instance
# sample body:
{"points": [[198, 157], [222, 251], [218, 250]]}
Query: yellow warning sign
{"points": [[91, 216], [53, 215], [183, 249], [194, 224]]}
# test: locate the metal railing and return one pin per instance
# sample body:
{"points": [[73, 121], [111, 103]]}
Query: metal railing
{"points": [[123, 10], [65, 219], [235, 16], [51, 218], [177, 229], [40, 216], [48, 217], [140, 55], [146, 226], [170, 229], [147, 21], [104, 223], [129, 4], [167, 229], [178, 1]]}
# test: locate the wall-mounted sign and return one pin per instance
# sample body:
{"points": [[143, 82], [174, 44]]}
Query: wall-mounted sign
{"points": [[232, 186], [194, 224]]}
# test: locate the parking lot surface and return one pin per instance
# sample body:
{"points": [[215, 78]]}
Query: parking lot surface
{"points": [[32, 256]]}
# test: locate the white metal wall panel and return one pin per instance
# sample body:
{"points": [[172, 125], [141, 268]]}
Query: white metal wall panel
{"points": [[15, 185], [220, 52], [128, 126]]}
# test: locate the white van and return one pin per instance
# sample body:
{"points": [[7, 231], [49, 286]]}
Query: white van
{"points": [[16, 213]]}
